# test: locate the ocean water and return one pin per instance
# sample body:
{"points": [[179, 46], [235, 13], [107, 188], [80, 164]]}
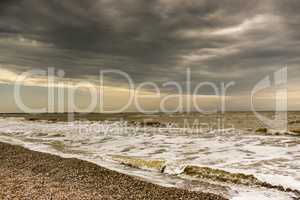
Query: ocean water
{"points": [[235, 161]]}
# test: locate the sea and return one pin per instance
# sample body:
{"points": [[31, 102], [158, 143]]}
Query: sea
{"points": [[231, 154]]}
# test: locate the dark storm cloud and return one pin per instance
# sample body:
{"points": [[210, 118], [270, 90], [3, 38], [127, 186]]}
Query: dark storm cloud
{"points": [[152, 40]]}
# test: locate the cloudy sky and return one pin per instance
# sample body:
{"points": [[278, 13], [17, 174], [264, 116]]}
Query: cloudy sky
{"points": [[152, 41]]}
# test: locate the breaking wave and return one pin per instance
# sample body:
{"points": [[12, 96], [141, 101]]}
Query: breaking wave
{"points": [[206, 173]]}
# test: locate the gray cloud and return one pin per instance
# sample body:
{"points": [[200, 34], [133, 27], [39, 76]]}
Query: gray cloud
{"points": [[153, 40]]}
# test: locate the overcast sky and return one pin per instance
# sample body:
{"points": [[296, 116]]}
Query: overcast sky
{"points": [[151, 40]]}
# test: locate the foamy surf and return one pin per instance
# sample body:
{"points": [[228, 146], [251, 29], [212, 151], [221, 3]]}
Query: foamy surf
{"points": [[274, 161], [203, 173]]}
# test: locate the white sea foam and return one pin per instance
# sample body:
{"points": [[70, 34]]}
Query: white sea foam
{"points": [[257, 195]]}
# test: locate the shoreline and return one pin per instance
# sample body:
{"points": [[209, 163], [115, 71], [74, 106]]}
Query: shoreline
{"points": [[26, 174]]}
